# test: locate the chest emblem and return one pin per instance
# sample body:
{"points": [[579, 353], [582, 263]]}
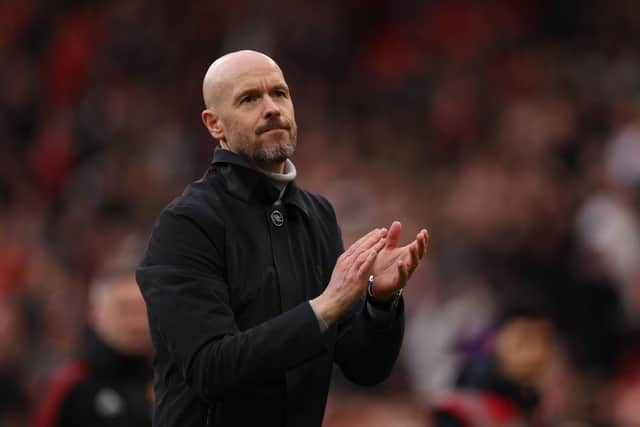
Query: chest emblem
{"points": [[277, 218]]}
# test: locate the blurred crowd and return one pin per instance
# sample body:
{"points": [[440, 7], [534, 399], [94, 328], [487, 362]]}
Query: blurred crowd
{"points": [[510, 128]]}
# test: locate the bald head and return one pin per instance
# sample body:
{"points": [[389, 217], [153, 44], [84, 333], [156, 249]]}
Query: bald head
{"points": [[248, 108], [224, 70]]}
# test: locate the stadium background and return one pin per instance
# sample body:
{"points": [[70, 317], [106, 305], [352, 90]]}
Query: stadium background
{"points": [[511, 128]]}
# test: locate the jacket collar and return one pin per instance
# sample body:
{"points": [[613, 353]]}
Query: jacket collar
{"points": [[248, 183]]}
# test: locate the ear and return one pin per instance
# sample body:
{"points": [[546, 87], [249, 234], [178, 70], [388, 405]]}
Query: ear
{"points": [[213, 124]]}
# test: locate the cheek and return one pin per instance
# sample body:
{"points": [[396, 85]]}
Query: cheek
{"points": [[291, 114], [241, 123], [240, 131], [294, 125]]}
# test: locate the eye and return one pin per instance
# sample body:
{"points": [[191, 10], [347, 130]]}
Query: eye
{"points": [[280, 93], [248, 99]]}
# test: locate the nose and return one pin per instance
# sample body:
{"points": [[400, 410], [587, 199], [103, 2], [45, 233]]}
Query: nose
{"points": [[271, 109]]}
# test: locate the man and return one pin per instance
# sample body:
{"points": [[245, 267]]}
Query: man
{"points": [[500, 390], [108, 383], [249, 298]]}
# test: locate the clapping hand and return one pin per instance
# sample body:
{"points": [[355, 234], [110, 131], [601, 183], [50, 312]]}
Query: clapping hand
{"points": [[394, 265]]}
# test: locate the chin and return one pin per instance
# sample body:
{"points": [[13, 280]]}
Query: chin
{"points": [[270, 159], [275, 153]]}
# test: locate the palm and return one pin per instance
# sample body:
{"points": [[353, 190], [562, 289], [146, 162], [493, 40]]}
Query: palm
{"points": [[385, 269], [394, 265]]}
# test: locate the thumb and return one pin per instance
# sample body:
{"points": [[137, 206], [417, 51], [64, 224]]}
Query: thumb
{"points": [[393, 236]]}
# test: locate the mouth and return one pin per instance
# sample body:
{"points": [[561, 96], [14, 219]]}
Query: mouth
{"points": [[272, 128]]}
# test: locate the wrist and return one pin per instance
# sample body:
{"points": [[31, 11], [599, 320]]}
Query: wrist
{"points": [[388, 301], [324, 310]]}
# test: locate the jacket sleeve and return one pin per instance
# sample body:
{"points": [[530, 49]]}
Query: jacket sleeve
{"points": [[366, 351], [182, 279]]}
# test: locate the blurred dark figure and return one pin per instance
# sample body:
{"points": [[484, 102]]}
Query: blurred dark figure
{"points": [[499, 389], [624, 389], [13, 403], [109, 383]]}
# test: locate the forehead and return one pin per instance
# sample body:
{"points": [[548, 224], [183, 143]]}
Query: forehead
{"points": [[256, 77], [264, 76], [528, 327]]}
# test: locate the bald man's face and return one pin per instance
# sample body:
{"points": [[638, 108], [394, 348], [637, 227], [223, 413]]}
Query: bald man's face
{"points": [[250, 110]]}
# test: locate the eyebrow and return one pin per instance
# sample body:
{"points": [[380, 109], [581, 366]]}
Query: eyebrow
{"points": [[244, 93], [254, 91], [281, 86]]}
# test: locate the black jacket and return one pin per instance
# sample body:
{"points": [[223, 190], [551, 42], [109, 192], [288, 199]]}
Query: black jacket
{"points": [[227, 276], [99, 388]]}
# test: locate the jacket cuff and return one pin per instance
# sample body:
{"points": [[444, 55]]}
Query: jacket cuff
{"points": [[383, 319]]}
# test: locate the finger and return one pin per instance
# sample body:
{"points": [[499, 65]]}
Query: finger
{"points": [[354, 269], [420, 244], [379, 245], [354, 247], [403, 275], [355, 244], [372, 236], [367, 242], [421, 241], [367, 265], [394, 234], [414, 258], [362, 247], [373, 240], [425, 240]]}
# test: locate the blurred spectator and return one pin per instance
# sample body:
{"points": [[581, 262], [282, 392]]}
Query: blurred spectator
{"points": [[626, 395], [14, 405], [449, 322], [109, 382], [13, 352], [608, 224], [500, 390]]}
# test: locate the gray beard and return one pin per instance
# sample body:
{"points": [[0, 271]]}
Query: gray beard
{"points": [[273, 155]]}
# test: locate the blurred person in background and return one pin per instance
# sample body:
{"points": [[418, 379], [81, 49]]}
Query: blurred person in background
{"points": [[624, 390], [625, 402], [500, 389], [14, 404], [14, 345], [13, 337], [251, 296], [108, 384], [607, 224], [458, 312]]}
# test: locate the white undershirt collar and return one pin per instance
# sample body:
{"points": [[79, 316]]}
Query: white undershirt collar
{"points": [[280, 180]]}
